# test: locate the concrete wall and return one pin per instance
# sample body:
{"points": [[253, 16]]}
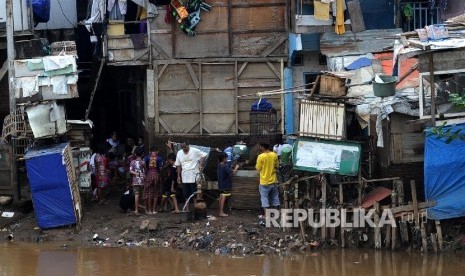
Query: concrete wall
{"points": [[310, 65]]}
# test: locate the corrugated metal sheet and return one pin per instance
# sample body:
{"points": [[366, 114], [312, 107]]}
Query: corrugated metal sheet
{"points": [[370, 41], [322, 120]]}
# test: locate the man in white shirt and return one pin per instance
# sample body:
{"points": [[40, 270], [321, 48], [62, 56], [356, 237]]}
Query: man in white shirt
{"points": [[189, 162]]}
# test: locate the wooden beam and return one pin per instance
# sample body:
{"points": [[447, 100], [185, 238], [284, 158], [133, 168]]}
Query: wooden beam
{"points": [[241, 69], [92, 95], [165, 125], [3, 70], [409, 208], [275, 70], [193, 125], [236, 99], [156, 103], [274, 46], [199, 86], [162, 70], [141, 54], [160, 51], [193, 76]]}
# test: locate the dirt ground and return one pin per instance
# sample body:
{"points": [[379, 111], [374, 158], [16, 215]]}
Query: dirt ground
{"points": [[240, 233]]}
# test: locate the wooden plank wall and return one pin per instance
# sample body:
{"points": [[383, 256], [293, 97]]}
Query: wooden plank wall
{"points": [[233, 28], [407, 140], [201, 97], [322, 120]]}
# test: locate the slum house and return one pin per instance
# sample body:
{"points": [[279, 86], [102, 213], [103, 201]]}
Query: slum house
{"points": [[368, 31], [181, 82], [27, 24]]}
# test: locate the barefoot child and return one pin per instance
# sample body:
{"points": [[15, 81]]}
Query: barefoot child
{"points": [[152, 190], [224, 180], [169, 182], [137, 170]]}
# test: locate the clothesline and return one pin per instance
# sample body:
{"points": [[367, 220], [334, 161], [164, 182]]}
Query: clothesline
{"points": [[278, 91]]}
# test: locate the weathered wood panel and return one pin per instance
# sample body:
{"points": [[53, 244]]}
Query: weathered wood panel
{"points": [[407, 140], [215, 20], [257, 18], [218, 123], [261, 70], [176, 77], [202, 45], [207, 97], [254, 44], [218, 101], [443, 61], [174, 123], [218, 76], [179, 102]]}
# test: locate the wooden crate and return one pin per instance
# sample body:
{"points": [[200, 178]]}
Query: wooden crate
{"points": [[332, 86]]}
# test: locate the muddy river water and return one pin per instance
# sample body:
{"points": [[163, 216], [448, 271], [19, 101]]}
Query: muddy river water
{"points": [[27, 259]]}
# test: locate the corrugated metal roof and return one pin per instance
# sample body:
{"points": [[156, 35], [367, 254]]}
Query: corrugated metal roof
{"points": [[370, 41]]}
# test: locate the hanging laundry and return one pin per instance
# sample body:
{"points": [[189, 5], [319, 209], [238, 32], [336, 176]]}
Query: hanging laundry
{"points": [[122, 5], [59, 85], [321, 10], [339, 25]]}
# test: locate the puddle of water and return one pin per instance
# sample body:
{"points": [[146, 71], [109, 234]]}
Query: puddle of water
{"points": [[45, 260]]}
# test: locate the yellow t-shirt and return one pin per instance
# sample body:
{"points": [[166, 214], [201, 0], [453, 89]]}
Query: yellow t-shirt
{"points": [[266, 164]]}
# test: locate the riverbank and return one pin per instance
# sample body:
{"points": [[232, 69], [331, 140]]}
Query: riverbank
{"points": [[238, 234]]}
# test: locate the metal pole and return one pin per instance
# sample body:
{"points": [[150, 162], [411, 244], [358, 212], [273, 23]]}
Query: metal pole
{"points": [[11, 72]]}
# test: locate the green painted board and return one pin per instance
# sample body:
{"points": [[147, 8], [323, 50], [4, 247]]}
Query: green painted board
{"points": [[335, 157]]}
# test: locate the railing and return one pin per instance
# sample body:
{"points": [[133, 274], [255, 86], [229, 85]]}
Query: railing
{"points": [[422, 16]]}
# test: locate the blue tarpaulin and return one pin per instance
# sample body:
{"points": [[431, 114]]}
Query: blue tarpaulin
{"points": [[40, 10], [445, 176], [50, 187]]}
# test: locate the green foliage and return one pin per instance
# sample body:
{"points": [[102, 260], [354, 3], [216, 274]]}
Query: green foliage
{"points": [[457, 99], [448, 134]]}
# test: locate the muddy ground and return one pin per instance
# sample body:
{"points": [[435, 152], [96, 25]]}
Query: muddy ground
{"points": [[240, 233]]}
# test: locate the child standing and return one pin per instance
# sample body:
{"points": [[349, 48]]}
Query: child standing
{"points": [[225, 174], [153, 185], [101, 175], [137, 170], [169, 182]]}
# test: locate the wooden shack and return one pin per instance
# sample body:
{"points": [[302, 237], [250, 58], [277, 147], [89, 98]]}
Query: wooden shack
{"points": [[193, 82]]}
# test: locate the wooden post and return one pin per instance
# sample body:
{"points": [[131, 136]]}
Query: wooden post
{"points": [[341, 202], [433, 94], [415, 203], [149, 35], [400, 191], [393, 230], [424, 243], [434, 242], [439, 233], [323, 202], [377, 229], [403, 229], [10, 45]]}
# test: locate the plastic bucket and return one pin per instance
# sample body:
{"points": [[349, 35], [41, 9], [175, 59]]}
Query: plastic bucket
{"points": [[385, 89], [286, 155]]}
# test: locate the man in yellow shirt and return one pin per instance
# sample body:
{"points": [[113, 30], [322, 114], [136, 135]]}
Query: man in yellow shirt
{"points": [[267, 162]]}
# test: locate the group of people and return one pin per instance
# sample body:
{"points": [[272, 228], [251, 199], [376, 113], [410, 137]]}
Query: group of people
{"points": [[154, 181]]}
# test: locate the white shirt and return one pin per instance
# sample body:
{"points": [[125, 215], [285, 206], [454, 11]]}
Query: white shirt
{"points": [[189, 163], [278, 148]]}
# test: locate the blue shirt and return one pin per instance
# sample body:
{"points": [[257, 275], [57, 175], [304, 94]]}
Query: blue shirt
{"points": [[224, 173]]}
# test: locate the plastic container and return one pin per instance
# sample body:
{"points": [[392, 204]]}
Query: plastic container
{"points": [[240, 150], [385, 89], [286, 155]]}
